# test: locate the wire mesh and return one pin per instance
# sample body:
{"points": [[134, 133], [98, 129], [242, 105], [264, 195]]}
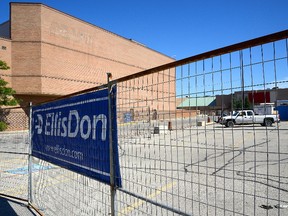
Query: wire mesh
{"points": [[14, 145], [180, 160], [177, 154], [58, 191]]}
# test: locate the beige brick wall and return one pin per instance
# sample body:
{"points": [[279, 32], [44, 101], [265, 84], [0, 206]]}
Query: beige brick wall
{"points": [[5, 55], [56, 54], [26, 67], [70, 49], [25, 22], [26, 48], [81, 54], [65, 31]]}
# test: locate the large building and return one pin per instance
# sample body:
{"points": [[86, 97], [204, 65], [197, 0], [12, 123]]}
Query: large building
{"points": [[52, 54]]}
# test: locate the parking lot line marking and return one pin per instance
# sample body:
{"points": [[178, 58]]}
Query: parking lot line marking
{"points": [[127, 123], [133, 206]]}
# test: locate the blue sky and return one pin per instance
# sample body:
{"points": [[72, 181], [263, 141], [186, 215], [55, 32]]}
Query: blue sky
{"points": [[178, 28]]}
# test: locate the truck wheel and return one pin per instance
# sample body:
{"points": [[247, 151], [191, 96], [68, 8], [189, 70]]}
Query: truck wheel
{"points": [[230, 124], [268, 122]]}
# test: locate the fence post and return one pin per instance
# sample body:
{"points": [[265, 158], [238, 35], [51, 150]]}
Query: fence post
{"points": [[111, 152], [30, 198]]}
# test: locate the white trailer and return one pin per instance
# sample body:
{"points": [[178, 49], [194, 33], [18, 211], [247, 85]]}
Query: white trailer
{"points": [[265, 109]]}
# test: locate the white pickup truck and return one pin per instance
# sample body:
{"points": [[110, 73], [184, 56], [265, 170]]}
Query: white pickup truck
{"points": [[248, 117]]}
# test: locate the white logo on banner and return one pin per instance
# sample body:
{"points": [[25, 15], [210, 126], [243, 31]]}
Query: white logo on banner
{"points": [[70, 126]]}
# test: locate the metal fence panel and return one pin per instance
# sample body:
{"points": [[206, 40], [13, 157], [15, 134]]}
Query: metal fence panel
{"points": [[57, 191], [175, 157], [178, 161], [14, 146]]}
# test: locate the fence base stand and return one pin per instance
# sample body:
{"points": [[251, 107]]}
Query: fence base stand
{"points": [[22, 201]]}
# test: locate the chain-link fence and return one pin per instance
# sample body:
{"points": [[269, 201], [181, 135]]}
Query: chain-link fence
{"points": [[14, 146], [189, 138]]}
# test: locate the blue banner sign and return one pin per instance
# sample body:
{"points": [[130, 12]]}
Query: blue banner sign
{"points": [[74, 133]]}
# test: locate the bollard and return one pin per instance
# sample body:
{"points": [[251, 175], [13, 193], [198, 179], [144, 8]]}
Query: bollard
{"points": [[169, 125]]}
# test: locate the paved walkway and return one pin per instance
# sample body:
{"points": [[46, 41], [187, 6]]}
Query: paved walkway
{"points": [[9, 207]]}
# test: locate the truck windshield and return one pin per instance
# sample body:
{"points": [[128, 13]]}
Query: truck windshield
{"points": [[236, 113]]}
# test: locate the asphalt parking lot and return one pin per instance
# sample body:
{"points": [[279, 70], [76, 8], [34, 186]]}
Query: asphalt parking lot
{"points": [[211, 170], [208, 170]]}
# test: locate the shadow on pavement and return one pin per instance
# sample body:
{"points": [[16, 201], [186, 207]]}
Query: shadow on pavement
{"points": [[10, 207]]}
